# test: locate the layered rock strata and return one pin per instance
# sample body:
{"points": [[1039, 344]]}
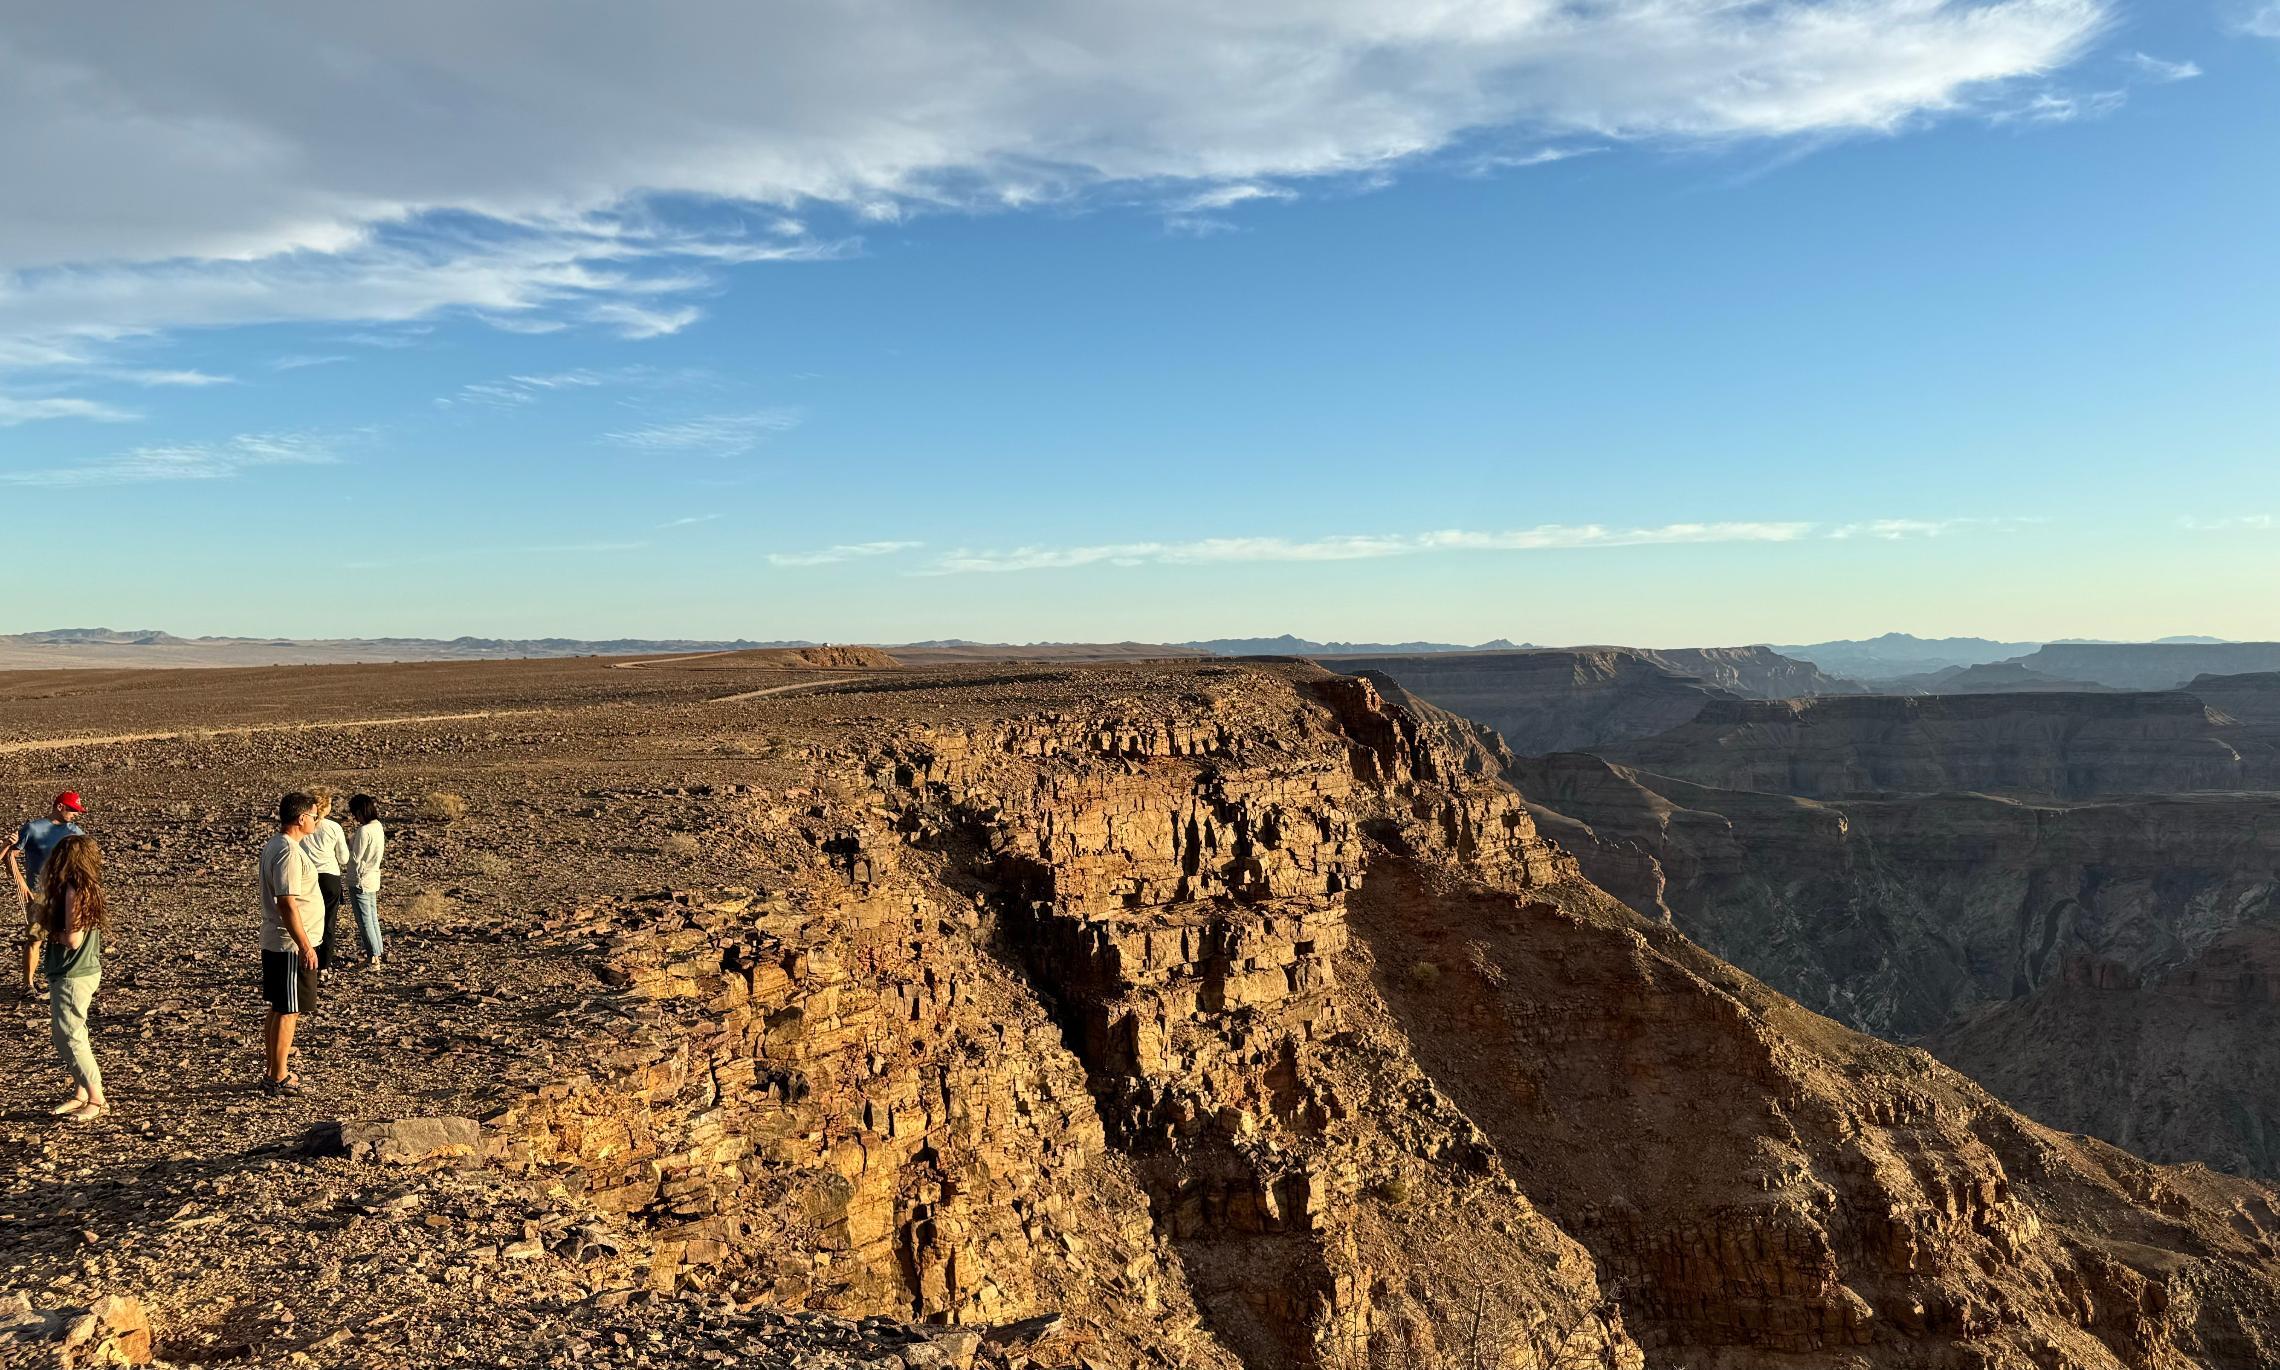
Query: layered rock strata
{"points": [[2097, 963]]}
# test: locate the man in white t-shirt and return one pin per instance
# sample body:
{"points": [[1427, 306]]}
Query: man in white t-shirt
{"points": [[292, 916]]}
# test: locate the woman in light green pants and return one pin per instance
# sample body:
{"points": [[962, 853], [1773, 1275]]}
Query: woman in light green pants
{"points": [[73, 915]]}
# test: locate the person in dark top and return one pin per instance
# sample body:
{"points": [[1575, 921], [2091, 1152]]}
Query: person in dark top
{"points": [[29, 849], [74, 916]]}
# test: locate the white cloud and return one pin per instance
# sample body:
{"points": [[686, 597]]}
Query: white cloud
{"points": [[2229, 523], [2161, 69], [846, 551], [193, 378], [301, 361], [515, 392], [14, 411], [383, 164], [1356, 547], [2064, 107], [2262, 20], [1488, 162], [716, 435], [1228, 196], [184, 461], [689, 521], [1894, 530]]}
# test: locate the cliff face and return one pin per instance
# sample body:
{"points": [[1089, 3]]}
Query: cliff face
{"points": [[2093, 962], [2063, 745], [1549, 701], [2150, 665], [1752, 672], [1230, 1011]]}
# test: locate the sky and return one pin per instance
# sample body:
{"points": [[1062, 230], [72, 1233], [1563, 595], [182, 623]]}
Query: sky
{"points": [[1671, 322]]}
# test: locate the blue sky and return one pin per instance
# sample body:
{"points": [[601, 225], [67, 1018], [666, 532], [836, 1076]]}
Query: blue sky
{"points": [[1701, 326]]}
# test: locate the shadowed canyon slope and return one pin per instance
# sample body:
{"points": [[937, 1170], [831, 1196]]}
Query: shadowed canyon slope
{"points": [[2064, 745], [2071, 896], [1229, 1011]]}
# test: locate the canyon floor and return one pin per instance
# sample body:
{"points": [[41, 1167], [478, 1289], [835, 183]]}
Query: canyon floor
{"points": [[801, 1011]]}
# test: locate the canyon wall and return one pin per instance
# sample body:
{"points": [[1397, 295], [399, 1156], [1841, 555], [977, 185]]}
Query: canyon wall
{"points": [[2150, 665], [2065, 745], [2126, 932]]}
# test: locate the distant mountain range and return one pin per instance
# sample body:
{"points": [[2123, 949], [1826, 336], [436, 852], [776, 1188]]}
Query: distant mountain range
{"points": [[1894, 655]]}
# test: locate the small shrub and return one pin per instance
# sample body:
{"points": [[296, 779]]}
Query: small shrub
{"points": [[427, 907], [1395, 1189], [443, 807], [492, 864], [681, 844], [1424, 973]]}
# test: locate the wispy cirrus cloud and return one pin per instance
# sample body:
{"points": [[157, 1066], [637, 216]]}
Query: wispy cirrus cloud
{"points": [[184, 461], [690, 520], [1368, 546], [2161, 69], [17, 409], [1896, 530], [711, 435], [846, 551], [516, 392], [176, 378], [300, 361], [2259, 18], [2229, 523], [1358, 547]]}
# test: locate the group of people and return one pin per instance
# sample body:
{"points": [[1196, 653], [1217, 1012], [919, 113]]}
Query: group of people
{"points": [[311, 871]]}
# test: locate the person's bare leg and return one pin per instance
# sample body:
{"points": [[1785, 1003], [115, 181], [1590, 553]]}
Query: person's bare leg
{"points": [[31, 965], [276, 1040]]}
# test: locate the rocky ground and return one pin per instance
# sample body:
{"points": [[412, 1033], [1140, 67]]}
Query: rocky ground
{"points": [[199, 1196]]}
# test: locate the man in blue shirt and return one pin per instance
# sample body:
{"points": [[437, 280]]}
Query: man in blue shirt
{"points": [[31, 846]]}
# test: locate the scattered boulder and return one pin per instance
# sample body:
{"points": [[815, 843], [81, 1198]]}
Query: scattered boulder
{"points": [[113, 1330], [398, 1141]]}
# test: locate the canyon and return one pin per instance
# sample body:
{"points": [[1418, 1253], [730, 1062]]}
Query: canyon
{"points": [[1196, 1014], [2069, 896]]}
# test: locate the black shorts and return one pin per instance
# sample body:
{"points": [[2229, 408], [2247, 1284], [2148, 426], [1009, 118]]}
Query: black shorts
{"points": [[288, 985]]}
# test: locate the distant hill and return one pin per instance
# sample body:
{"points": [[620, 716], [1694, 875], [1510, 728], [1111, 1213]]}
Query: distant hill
{"points": [[1886, 659], [1998, 677], [1287, 645], [1903, 654]]}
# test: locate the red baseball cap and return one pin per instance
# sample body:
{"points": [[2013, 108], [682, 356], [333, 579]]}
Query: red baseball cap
{"points": [[69, 799]]}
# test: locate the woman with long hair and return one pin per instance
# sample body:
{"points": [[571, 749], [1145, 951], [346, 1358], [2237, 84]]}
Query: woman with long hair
{"points": [[75, 915], [367, 848]]}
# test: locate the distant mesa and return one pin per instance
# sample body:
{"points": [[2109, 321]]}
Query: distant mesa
{"points": [[1901, 661], [1995, 677], [1587, 698]]}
